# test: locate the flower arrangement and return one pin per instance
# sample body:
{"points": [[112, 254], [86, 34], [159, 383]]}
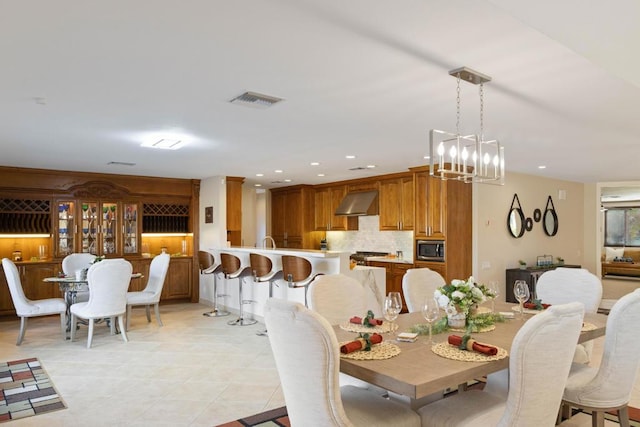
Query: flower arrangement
{"points": [[460, 296]]}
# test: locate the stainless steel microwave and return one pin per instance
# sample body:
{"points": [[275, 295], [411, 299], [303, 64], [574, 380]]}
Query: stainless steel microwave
{"points": [[430, 250]]}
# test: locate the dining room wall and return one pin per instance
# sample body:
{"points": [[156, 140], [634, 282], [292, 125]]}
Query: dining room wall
{"points": [[495, 250]]}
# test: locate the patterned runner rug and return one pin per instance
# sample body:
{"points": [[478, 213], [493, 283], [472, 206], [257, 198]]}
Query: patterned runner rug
{"points": [[26, 390]]}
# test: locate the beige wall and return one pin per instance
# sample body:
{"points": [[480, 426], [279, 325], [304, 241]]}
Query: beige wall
{"points": [[495, 249]]}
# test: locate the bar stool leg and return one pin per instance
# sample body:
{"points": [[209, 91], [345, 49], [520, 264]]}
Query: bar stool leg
{"points": [[216, 312], [241, 321], [264, 333]]}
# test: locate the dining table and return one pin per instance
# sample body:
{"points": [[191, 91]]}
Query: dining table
{"points": [[419, 374], [70, 285]]}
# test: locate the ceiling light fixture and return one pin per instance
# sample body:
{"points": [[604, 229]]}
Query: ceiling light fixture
{"points": [[468, 158], [165, 144]]}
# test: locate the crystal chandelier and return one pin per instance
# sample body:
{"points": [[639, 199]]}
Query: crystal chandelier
{"points": [[468, 158]]}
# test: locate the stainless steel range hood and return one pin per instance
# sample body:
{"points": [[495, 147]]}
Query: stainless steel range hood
{"points": [[359, 203]]}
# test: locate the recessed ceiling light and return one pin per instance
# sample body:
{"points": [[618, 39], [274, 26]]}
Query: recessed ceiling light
{"points": [[278, 171], [287, 180], [426, 157], [320, 174], [165, 144], [259, 174], [257, 185], [542, 167], [350, 156], [371, 166], [315, 163]]}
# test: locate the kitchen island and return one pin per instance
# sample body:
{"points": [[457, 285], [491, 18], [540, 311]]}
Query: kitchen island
{"points": [[322, 262]]}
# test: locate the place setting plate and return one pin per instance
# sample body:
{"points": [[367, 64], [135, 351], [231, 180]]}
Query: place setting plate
{"points": [[378, 329], [384, 350]]}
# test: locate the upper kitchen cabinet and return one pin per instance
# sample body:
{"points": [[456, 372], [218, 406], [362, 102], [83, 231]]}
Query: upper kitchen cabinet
{"points": [[234, 210], [292, 217], [397, 203], [327, 200]]}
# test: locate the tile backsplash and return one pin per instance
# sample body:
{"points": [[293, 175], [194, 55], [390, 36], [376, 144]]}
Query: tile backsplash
{"points": [[370, 238]]}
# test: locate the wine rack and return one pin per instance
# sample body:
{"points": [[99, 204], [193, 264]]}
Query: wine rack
{"points": [[25, 216], [165, 218]]}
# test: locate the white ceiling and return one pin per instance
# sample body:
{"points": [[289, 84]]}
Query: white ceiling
{"points": [[85, 82]]}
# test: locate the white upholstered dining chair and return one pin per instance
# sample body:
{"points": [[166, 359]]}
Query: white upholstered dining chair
{"points": [[609, 386], [419, 283], [564, 285], [336, 297], [307, 357], [74, 262], [539, 364], [150, 295], [108, 283], [25, 307]]}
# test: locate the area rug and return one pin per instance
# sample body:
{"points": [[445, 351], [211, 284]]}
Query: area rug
{"points": [[26, 390], [273, 418]]}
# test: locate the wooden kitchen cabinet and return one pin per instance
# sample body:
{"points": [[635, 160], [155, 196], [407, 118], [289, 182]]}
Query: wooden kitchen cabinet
{"points": [[292, 217], [394, 273], [397, 203], [177, 284], [327, 200], [234, 210]]}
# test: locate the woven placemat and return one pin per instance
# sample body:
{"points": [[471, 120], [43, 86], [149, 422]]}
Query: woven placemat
{"points": [[525, 310], [448, 351], [586, 326], [378, 329], [384, 350]]}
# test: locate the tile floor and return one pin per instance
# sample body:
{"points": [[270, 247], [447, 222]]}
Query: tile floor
{"points": [[194, 371]]}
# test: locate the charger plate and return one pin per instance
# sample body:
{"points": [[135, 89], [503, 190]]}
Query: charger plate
{"points": [[384, 350], [448, 351], [586, 326], [379, 329], [526, 310], [485, 329]]}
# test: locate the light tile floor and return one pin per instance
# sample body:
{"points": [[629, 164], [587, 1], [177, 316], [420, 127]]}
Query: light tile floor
{"points": [[194, 371]]}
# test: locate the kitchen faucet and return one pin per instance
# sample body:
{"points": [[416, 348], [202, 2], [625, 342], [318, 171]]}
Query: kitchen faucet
{"points": [[264, 242]]}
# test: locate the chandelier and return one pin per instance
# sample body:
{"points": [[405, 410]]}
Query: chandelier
{"points": [[467, 158]]}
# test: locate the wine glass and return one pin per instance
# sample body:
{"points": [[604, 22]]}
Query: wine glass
{"points": [[495, 290], [522, 294], [430, 312], [392, 308]]}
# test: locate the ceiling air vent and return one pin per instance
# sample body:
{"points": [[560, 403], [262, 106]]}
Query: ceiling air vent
{"points": [[121, 164], [255, 100], [357, 168]]}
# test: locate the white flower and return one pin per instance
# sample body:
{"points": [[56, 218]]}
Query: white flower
{"points": [[457, 282], [458, 295], [477, 293], [442, 299]]}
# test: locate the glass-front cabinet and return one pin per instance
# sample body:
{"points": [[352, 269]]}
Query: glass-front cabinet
{"points": [[99, 227]]}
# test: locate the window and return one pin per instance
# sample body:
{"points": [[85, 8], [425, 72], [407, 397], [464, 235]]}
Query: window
{"points": [[622, 227]]}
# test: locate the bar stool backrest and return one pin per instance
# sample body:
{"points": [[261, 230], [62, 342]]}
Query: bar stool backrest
{"points": [[299, 268], [260, 264], [205, 260], [230, 263]]}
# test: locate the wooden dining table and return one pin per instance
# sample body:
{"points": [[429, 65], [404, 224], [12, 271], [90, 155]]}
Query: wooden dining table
{"points": [[418, 373]]}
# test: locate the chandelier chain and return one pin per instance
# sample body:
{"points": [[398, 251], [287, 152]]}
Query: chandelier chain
{"points": [[458, 105], [481, 111]]}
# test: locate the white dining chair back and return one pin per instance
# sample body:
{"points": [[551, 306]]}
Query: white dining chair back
{"points": [[609, 386], [25, 307], [71, 264], [74, 262], [418, 284], [564, 285], [307, 356], [337, 298], [108, 283], [539, 364], [150, 295]]}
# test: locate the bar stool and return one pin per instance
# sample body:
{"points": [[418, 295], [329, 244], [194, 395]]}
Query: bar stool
{"points": [[232, 269], [298, 273], [264, 270], [207, 265]]}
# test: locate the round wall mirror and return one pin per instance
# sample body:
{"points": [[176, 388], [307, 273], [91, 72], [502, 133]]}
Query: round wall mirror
{"points": [[516, 222], [550, 222]]}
